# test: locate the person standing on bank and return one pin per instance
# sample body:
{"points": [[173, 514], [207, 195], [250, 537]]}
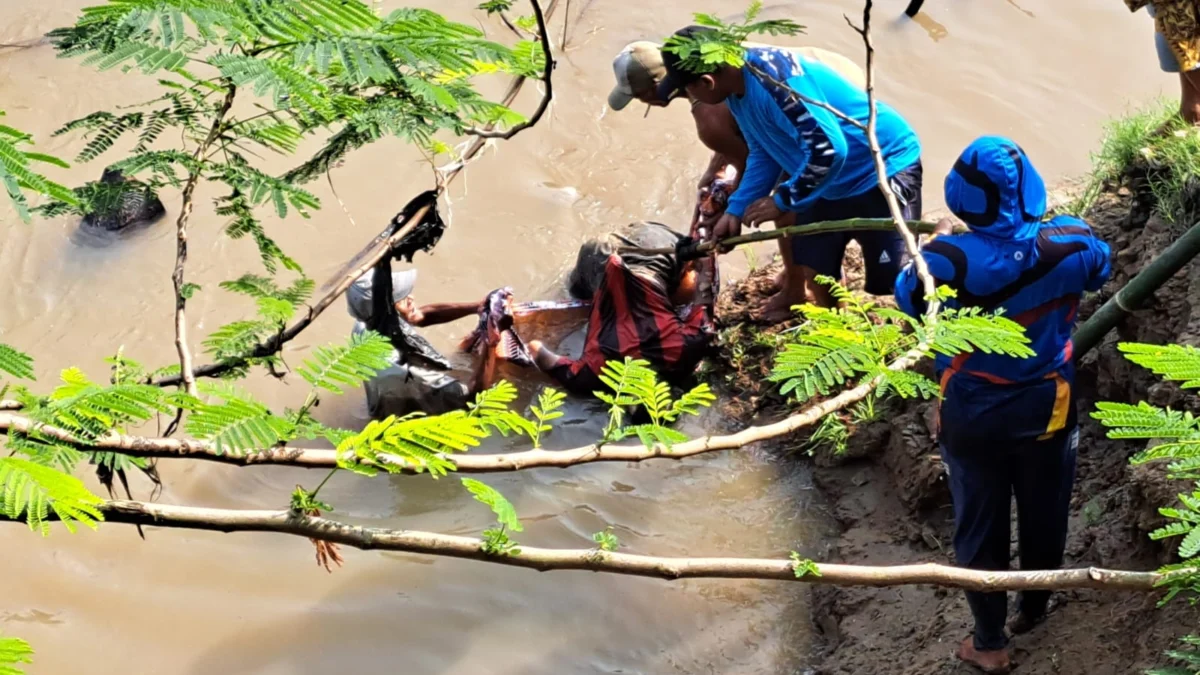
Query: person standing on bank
{"points": [[1006, 425], [831, 172], [1177, 41], [639, 70]]}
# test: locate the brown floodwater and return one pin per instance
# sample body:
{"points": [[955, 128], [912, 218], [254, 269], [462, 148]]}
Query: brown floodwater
{"points": [[1046, 72]]}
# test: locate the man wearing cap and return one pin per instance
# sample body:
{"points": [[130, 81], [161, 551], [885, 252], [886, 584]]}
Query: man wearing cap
{"points": [[831, 172], [639, 69], [417, 381]]}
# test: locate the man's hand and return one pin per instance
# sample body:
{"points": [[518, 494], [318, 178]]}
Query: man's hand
{"points": [[728, 226], [410, 312], [762, 211], [944, 226]]}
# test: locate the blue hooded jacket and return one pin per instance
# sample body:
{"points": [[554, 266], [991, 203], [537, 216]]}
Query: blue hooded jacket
{"points": [[1011, 260], [824, 156]]}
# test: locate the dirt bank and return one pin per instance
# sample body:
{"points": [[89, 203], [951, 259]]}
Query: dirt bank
{"points": [[889, 495]]}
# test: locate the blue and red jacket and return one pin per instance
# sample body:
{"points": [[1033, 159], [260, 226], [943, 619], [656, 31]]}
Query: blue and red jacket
{"points": [[1010, 260]]}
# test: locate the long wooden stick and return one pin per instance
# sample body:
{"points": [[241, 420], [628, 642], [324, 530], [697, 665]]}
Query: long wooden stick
{"points": [[876, 224], [594, 560]]}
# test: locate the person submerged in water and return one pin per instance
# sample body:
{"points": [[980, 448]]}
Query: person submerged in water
{"points": [[644, 306], [419, 379]]}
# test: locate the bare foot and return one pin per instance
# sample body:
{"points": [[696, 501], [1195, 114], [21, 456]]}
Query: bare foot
{"points": [[995, 662], [777, 308], [777, 282]]}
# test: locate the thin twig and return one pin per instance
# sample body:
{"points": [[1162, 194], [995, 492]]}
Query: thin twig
{"points": [[544, 38], [566, 25], [670, 568], [910, 241], [185, 357]]}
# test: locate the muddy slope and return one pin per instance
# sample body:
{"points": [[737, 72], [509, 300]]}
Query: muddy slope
{"points": [[890, 498]]}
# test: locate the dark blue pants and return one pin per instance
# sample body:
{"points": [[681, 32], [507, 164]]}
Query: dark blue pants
{"points": [[984, 477]]}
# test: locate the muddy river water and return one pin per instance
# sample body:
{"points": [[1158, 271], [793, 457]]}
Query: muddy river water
{"points": [[1047, 72]]}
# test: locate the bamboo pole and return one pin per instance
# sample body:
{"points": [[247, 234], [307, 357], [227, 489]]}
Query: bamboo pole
{"points": [[875, 224], [594, 560], [1139, 289]]}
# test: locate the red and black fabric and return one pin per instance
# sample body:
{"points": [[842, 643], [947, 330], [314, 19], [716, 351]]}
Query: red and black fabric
{"points": [[632, 315]]}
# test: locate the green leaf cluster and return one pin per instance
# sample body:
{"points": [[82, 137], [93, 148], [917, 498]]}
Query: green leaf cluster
{"points": [[17, 176], [633, 384], [14, 652], [708, 51], [1175, 437], [804, 567], [859, 340], [1187, 658]]}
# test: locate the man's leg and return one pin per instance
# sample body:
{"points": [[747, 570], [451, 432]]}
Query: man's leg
{"points": [[982, 495], [1189, 103], [804, 259], [1043, 475], [884, 254]]}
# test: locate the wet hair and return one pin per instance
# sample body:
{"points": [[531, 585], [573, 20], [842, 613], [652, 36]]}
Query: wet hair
{"points": [[588, 275]]}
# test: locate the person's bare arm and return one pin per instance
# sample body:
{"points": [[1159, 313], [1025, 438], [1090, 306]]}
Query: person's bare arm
{"points": [[718, 131], [436, 313]]}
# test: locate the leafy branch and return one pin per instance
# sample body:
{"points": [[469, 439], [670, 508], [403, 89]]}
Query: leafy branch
{"points": [[18, 177]]}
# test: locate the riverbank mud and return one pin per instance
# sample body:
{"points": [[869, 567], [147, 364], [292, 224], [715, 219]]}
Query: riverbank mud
{"points": [[888, 492]]}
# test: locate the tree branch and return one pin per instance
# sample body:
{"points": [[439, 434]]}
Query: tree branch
{"points": [[314, 458], [369, 256], [544, 38], [186, 372], [910, 241], [547, 559]]}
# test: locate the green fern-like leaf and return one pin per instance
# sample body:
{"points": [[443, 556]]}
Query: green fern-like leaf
{"points": [[972, 330], [33, 491], [291, 87], [334, 367], [89, 410], [420, 442], [237, 424], [506, 514], [1176, 363], [14, 652], [18, 177], [1188, 658], [906, 384], [652, 434], [15, 363], [45, 452], [545, 411]]}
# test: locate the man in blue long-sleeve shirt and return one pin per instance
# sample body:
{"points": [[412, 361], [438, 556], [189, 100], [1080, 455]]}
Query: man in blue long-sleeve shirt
{"points": [[831, 173]]}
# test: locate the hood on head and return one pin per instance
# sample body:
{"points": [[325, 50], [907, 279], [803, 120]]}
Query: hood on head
{"points": [[358, 296], [996, 190]]}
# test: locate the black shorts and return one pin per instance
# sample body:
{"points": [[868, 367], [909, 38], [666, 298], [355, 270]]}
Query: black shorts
{"points": [[884, 253]]}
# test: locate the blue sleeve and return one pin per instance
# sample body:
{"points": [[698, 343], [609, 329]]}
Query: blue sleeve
{"points": [[1101, 264], [818, 148], [908, 291], [761, 174]]}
